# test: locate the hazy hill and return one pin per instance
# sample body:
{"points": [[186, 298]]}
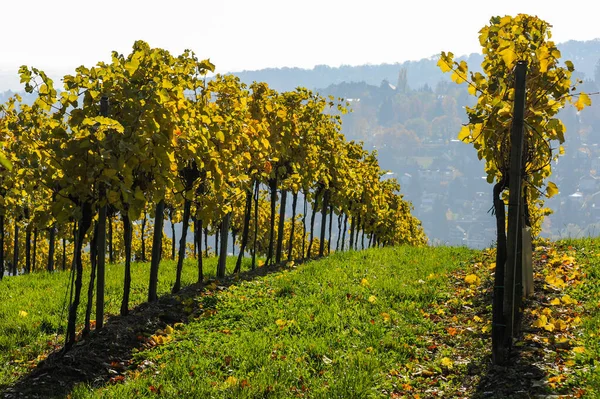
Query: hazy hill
{"points": [[584, 54]]}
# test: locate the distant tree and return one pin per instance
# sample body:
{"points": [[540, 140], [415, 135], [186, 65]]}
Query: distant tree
{"points": [[402, 86]]}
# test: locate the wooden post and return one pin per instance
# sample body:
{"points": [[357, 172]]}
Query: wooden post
{"points": [[222, 262], [156, 250], [499, 351], [101, 242], [514, 240]]}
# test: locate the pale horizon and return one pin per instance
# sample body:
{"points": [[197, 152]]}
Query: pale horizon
{"points": [[238, 35]]}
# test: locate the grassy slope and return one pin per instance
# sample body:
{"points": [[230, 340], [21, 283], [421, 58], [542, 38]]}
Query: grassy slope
{"points": [[33, 311], [395, 322], [588, 293], [332, 328]]}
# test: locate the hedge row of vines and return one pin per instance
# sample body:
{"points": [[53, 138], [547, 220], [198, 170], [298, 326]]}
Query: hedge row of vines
{"points": [[147, 137]]}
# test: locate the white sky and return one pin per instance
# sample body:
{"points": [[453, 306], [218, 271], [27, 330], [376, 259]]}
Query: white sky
{"points": [[59, 35]]}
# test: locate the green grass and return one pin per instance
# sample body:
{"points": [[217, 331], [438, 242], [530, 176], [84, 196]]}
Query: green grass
{"points": [[33, 310], [376, 323], [588, 254], [329, 328]]}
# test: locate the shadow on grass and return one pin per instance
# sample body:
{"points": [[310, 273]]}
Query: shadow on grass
{"points": [[523, 376], [107, 354]]}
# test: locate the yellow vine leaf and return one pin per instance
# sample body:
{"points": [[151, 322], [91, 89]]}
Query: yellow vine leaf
{"points": [[280, 323], [551, 189], [541, 322], [472, 279], [230, 381], [583, 101], [446, 362], [509, 56], [567, 300], [464, 133], [579, 349], [445, 62]]}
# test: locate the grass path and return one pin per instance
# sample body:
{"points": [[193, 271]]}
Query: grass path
{"points": [[33, 311], [343, 327]]}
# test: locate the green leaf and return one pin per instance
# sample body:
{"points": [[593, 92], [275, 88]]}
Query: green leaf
{"points": [[570, 66], [109, 172]]}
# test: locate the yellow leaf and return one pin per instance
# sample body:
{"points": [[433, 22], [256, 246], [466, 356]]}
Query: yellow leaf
{"points": [[472, 90], [583, 101], [445, 62], [551, 190], [579, 349], [541, 321], [555, 301], [549, 327], [169, 330], [365, 283], [230, 381], [567, 300], [23, 313], [477, 319], [386, 316], [509, 56], [372, 299], [560, 325], [464, 133], [446, 362], [472, 279], [280, 323], [547, 311]]}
